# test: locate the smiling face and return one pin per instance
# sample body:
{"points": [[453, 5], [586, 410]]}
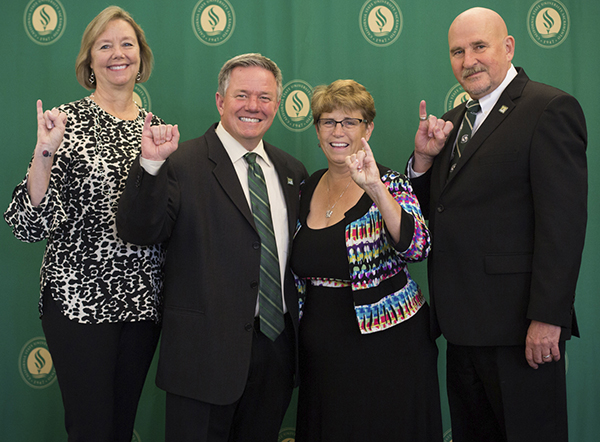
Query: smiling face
{"points": [[480, 51], [338, 143], [116, 56], [250, 104]]}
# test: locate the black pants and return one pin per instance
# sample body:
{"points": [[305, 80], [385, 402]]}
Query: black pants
{"points": [[257, 415], [101, 369], [495, 396]]}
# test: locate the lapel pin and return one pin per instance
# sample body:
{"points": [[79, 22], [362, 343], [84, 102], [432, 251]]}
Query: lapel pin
{"points": [[290, 181], [503, 109]]}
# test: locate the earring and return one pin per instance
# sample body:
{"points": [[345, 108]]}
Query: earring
{"points": [[92, 78], [139, 76]]}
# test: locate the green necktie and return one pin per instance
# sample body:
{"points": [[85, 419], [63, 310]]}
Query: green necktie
{"points": [[464, 135], [269, 288]]}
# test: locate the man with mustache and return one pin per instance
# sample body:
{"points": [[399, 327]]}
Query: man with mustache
{"points": [[507, 205]]}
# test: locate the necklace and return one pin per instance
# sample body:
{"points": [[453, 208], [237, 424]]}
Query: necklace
{"points": [[330, 210]]}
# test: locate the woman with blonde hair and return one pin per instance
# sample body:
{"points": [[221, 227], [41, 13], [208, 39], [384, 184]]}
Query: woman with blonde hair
{"points": [[368, 366], [100, 300]]}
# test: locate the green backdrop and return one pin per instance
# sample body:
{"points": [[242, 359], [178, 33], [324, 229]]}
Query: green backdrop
{"points": [[396, 48]]}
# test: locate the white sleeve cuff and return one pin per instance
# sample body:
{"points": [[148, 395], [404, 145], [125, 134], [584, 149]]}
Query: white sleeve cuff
{"points": [[151, 166], [411, 172]]}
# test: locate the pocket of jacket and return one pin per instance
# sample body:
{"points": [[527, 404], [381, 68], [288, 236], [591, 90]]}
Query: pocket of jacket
{"points": [[183, 311]]}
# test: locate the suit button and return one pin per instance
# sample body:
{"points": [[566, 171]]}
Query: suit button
{"points": [[440, 208], [256, 245], [254, 284], [248, 327]]}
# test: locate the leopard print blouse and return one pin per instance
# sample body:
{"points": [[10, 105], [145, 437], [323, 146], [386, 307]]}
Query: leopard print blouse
{"points": [[93, 275]]}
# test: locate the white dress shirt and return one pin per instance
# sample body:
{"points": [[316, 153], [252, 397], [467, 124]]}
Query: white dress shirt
{"points": [[279, 215], [488, 102]]}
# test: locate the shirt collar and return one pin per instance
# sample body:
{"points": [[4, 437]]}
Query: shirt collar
{"points": [[488, 102], [235, 150]]}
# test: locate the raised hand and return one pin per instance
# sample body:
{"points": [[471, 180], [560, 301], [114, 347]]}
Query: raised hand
{"points": [[365, 173], [158, 142], [50, 133], [51, 129], [363, 168], [430, 138]]}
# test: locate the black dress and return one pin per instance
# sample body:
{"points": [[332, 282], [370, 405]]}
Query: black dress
{"points": [[381, 386]]}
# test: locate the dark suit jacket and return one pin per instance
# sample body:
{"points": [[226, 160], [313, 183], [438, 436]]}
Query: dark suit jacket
{"points": [[197, 207], [508, 228]]}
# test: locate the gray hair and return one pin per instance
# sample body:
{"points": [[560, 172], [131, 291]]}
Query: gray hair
{"points": [[247, 60]]}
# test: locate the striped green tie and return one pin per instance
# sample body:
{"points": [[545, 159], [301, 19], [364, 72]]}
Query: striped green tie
{"points": [[464, 135], [269, 288]]}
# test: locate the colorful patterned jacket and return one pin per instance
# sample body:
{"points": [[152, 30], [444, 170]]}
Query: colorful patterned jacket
{"points": [[384, 292]]}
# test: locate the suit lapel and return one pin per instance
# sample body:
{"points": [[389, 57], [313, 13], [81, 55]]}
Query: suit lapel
{"points": [[226, 175], [497, 115]]}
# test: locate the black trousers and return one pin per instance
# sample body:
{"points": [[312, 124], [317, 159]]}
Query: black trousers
{"points": [[257, 415], [495, 396], [101, 369]]}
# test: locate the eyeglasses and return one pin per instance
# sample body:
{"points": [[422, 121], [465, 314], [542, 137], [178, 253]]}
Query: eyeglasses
{"points": [[346, 123]]}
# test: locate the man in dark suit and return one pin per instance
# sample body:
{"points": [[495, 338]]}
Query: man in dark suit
{"points": [[227, 377], [506, 203]]}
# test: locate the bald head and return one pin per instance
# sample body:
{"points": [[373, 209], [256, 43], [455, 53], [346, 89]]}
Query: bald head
{"points": [[487, 18], [480, 50]]}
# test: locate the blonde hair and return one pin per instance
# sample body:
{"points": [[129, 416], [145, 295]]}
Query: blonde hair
{"points": [[93, 30], [347, 95]]}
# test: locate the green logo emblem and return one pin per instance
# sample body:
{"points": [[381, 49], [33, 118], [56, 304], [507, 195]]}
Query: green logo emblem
{"points": [[294, 109], [35, 364], [380, 22], [213, 21], [141, 97], [455, 96], [44, 21], [287, 435], [548, 23]]}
